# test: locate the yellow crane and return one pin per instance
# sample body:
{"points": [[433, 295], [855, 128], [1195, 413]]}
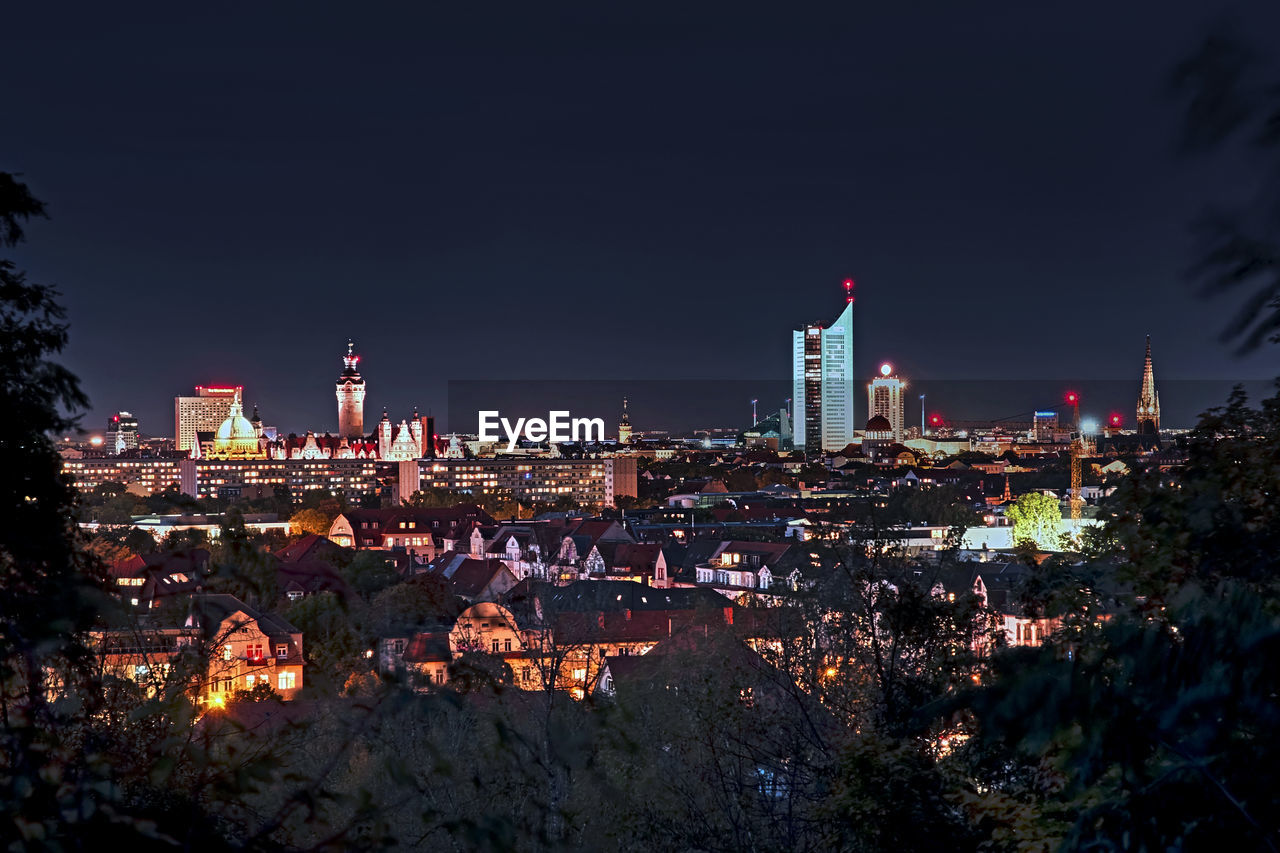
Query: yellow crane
{"points": [[1079, 449]]}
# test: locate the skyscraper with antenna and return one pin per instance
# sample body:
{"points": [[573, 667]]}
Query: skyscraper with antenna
{"points": [[822, 382]]}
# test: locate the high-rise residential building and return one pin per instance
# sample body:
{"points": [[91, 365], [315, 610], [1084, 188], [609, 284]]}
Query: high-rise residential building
{"points": [[122, 433], [822, 383], [1148, 399], [204, 412], [350, 392], [885, 400], [595, 482]]}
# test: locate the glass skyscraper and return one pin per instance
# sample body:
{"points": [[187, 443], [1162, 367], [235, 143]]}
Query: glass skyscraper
{"points": [[822, 384]]}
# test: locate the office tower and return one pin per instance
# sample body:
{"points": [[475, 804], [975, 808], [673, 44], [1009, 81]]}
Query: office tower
{"points": [[122, 433], [204, 412], [1045, 425], [884, 399], [822, 383]]}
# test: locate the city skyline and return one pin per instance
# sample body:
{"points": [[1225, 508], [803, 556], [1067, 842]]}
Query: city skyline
{"points": [[1011, 212], [720, 407]]}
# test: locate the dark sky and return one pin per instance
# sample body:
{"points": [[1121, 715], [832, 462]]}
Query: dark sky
{"points": [[546, 191]]}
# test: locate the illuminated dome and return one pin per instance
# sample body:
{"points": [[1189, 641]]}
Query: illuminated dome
{"points": [[236, 438], [879, 424]]}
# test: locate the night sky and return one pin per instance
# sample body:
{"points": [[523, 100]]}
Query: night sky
{"points": [[552, 192]]}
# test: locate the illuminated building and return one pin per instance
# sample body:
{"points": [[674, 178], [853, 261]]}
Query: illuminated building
{"points": [[878, 429], [236, 437], [122, 433], [1045, 425], [353, 479], [407, 443], [589, 482], [1148, 399], [141, 476], [350, 393], [204, 412], [885, 400], [822, 382], [624, 426]]}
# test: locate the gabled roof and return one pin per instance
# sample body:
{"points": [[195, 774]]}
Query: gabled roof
{"points": [[311, 576], [468, 576], [605, 595], [590, 531], [631, 556], [129, 567], [216, 607], [313, 547], [437, 521], [429, 647]]}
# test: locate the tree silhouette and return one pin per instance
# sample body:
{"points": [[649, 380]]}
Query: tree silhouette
{"points": [[1229, 103]]}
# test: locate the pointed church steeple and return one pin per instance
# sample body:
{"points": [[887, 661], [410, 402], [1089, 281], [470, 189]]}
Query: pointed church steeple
{"points": [[1148, 399]]}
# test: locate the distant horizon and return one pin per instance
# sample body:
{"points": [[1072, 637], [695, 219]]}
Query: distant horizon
{"points": [[714, 404]]}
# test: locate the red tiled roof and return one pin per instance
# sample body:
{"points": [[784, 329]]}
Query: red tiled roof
{"points": [[130, 567], [429, 647], [311, 546]]}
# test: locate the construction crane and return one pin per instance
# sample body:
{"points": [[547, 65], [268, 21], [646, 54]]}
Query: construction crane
{"points": [[1079, 449]]}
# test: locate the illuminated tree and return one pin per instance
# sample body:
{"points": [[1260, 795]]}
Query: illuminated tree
{"points": [[310, 521], [1036, 518]]}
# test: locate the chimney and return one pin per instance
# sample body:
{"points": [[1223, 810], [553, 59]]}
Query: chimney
{"points": [[728, 616]]}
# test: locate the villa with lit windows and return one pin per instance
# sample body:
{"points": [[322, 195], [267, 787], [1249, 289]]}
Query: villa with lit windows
{"points": [[221, 646]]}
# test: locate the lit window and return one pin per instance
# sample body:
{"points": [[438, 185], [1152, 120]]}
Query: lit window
{"points": [[286, 680]]}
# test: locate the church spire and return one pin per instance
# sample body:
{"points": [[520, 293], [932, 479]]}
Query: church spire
{"points": [[1148, 399]]}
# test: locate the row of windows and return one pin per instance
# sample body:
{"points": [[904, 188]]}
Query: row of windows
{"points": [[287, 680]]}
